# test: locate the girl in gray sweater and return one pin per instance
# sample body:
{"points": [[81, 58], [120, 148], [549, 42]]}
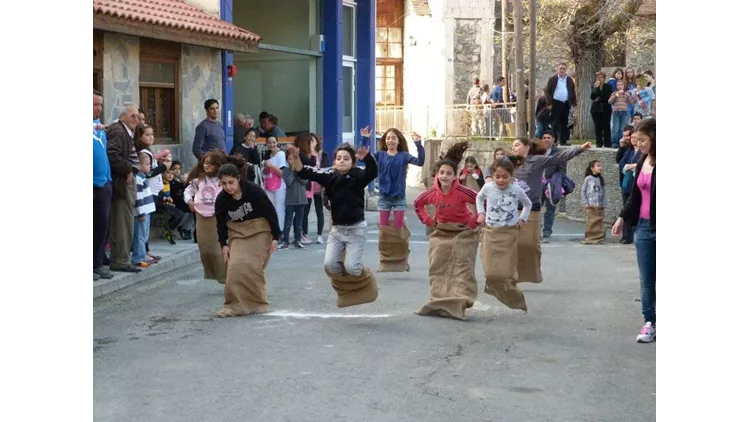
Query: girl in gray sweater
{"points": [[594, 199]]}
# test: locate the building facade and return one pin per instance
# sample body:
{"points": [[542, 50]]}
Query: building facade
{"points": [[313, 68]]}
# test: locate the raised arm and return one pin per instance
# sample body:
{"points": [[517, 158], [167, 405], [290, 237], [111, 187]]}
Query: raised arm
{"points": [[562, 156], [419, 159], [318, 175], [370, 172]]}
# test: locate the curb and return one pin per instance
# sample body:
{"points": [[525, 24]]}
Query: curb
{"points": [[167, 264], [174, 262]]}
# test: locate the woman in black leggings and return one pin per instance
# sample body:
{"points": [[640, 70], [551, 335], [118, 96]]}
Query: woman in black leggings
{"points": [[321, 161]]}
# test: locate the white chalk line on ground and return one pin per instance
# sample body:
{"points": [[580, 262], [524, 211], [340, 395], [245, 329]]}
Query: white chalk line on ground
{"points": [[301, 315]]}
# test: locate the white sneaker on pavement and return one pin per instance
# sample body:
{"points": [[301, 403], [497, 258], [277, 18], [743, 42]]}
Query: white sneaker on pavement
{"points": [[647, 334]]}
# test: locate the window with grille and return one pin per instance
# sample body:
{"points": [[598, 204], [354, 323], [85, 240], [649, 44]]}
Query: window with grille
{"points": [[159, 73]]}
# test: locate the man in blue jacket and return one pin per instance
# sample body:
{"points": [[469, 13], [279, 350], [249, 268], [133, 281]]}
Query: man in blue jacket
{"points": [[102, 190]]}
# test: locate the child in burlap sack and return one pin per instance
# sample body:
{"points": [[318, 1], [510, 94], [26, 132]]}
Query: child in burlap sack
{"points": [[203, 187], [594, 200], [500, 236], [345, 187], [453, 242], [248, 231], [393, 160]]}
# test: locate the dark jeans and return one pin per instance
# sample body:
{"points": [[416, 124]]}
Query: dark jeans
{"points": [[627, 229], [560, 113], [602, 129], [296, 211], [318, 199], [549, 216], [645, 250], [102, 202]]}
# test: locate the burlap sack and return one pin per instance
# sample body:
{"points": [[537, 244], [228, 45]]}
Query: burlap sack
{"points": [[530, 251], [500, 260], [354, 290], [249, 252], [472, 184], [214, 267], [453, 285], [393, 244], [594, 231]]}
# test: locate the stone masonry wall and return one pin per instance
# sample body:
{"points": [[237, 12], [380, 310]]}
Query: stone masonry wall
{"points": [[200, 80], [570, 207], [466, 57], [121, 73]]}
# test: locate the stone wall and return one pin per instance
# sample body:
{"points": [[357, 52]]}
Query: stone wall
{"points": [[570, 207], [466, 57], [641, 51], [121, 73], [200, 80]]}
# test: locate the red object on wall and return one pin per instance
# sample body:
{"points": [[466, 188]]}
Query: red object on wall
{"points": [[231, 70]]}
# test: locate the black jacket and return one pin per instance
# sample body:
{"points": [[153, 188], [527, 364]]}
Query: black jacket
{"points": [[549, 93], [253, 204], [632, 209], [345, 191], [600, 97]]}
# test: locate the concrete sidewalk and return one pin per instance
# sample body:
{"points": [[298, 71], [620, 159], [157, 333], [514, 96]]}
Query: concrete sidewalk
{"points": [[184, 253]]}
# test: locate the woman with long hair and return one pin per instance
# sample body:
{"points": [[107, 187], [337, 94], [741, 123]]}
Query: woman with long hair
{"points": [[640, 211], [529, 177]]}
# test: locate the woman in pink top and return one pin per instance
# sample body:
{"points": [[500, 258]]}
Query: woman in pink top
{"points": [[203, 186], [640, 211]]}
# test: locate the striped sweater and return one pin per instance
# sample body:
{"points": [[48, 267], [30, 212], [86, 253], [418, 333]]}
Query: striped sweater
{"points": [[144, 200]]}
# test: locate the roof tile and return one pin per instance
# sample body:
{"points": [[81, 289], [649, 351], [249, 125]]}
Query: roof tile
{"points": [[172, 13]]}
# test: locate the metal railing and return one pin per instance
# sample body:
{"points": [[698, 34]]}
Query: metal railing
{"points": [[461, 120]]}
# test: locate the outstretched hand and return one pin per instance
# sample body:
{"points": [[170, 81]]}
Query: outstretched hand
{"points": [[586, 146], [292, 151], [416, 137], [365, 132], [362, 153]]}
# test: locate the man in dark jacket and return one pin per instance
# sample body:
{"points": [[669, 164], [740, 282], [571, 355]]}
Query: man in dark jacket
{"points": [[548, 141], [561, 96], [123, 160]]}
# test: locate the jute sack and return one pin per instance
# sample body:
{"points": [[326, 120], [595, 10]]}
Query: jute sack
{"points": [[249, 253], [393, 244], [354, 290], [453, 285], [500, 260], [530, 251], [594, 231], [214, 267], [471, 183]]}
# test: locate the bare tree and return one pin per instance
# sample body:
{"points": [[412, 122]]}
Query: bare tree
{"points": [[592, 23]]}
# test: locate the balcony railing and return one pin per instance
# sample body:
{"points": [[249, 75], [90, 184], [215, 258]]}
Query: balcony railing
{"points": [[462, 120]]}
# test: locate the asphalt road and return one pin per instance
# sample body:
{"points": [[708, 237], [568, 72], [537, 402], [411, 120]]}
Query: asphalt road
{"points": [[160, 354]]}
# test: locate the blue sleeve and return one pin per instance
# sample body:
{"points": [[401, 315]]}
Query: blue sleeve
{"points": [[419, 159], [200, 134]]}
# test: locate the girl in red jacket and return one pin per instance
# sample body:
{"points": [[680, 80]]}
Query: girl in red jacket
{"points": [[454, 240]]}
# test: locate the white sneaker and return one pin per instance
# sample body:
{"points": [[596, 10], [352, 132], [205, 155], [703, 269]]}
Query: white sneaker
{"points": [[319, 241], [647, 334]]}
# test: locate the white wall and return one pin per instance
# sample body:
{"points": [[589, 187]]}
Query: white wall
{"points": [[209, 6]]}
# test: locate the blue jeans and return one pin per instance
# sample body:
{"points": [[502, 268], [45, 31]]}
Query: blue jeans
{"points": [[549, 217], [140, 237], [347, 242], [298, 211], [620, 119], [539, 129], [386, 203], [645, 250]]}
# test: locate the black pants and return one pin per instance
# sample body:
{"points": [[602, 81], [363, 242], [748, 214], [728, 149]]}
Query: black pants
{"points": [[602, 128], [318, 211], [560, 114], [627, 229], [102, 202]]}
